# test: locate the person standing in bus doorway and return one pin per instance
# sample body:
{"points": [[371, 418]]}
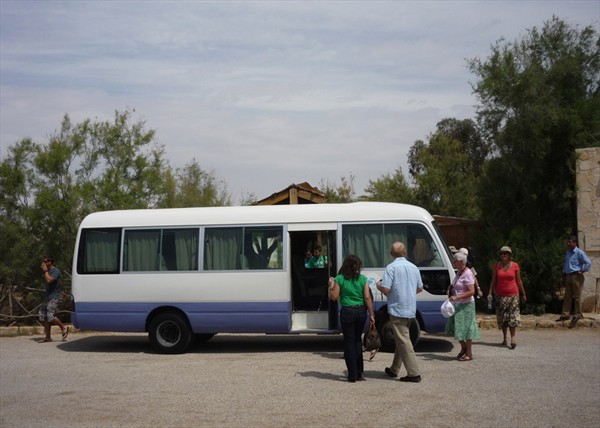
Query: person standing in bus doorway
{"points": [[307, 257], [575, 265], [47, 313], [318, 260], [401, 282], [353, 291]]}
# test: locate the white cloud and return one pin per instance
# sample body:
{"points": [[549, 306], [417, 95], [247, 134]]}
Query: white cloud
{"points": [[263, 93]]}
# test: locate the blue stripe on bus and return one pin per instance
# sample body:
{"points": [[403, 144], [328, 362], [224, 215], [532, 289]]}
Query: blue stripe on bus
{"points": [[433, 320], [211, 317], [204, 317]]}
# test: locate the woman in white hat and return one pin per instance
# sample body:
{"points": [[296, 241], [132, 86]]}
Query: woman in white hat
{"points": [[463, 324], [506, 284]]}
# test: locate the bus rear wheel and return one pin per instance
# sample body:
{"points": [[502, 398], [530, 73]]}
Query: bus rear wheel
{"points": [[169, 333], [384, 327]]}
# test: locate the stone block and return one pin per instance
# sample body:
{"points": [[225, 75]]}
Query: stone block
{"points": [[528, 323], [545, 323], [9, 331], [487, 323]]}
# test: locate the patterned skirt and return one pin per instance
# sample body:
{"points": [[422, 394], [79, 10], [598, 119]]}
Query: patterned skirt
{"points": [[507, 311], [463, 324]]}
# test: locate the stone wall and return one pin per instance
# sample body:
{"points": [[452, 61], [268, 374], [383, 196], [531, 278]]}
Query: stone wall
{"points": [[588, 222]]}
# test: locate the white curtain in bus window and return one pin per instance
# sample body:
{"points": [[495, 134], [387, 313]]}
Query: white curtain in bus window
{"points": [[237, 248], [141, 250], [179, 249], [364, 241], [223, 248], [101, 251], [372, 243]]}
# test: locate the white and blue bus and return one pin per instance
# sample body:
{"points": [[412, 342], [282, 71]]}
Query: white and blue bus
{"points": [[189, 273]]}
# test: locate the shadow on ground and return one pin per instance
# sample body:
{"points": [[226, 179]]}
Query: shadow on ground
{"points": [[328, 346]]}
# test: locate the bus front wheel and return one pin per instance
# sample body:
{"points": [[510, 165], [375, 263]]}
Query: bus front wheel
{"points": [[169, 333]]}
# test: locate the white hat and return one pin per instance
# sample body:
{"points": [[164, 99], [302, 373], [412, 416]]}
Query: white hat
{"points": [[505, 249], [464, 251], [447, 309]]}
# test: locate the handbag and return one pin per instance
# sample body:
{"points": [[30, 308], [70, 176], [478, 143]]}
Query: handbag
{"points": [[371, 340], [447, 309]]}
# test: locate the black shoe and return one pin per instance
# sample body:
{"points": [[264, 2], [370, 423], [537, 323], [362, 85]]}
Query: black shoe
{"points": [[415, 379], [562, 318], [351, 380], [390, 373], [574, 321], [360, 379]]}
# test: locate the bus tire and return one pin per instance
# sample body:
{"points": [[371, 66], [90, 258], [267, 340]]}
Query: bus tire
{"points": [[415, 332], [384, 327], [169, 333]]}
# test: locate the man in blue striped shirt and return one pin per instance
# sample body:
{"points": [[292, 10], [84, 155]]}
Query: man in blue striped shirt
{"points": [[576, 263]]}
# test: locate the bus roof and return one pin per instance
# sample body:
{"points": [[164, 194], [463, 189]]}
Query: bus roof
{"points": [[262, 214]]}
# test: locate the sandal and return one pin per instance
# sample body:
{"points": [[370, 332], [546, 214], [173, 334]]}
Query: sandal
{"points": [[513, 345], [461, 354], [65, 334], [466, 357]]}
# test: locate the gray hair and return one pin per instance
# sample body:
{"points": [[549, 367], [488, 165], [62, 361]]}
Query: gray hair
{"points": [[460, 256]]}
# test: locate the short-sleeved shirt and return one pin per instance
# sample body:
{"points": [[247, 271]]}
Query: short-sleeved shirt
{"points": [[317, 262], [461, 284], [403, 279], [506, 280], [53, 287], [351, 290]]}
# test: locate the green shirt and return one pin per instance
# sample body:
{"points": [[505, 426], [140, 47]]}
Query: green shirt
{"points": [[317, 262], [351, 290]]}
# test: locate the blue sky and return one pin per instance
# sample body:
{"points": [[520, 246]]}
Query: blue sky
{"points": [[263, 93]]}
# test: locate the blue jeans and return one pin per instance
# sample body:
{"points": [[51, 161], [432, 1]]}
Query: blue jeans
{"points": [[353, 320]]}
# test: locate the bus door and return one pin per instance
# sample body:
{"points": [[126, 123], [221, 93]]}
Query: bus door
{"points": [[311, 307]]}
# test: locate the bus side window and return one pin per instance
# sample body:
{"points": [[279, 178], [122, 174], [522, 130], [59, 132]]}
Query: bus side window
{"points": [[422, 250], [179, 249], [223, 248], [263, 247], [99, 251], [241, 248]]}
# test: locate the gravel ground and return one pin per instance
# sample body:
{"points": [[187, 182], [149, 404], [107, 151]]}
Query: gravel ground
{"points": [[552, 378]]}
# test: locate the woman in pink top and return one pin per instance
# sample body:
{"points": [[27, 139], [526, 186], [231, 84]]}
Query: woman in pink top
{"points": [[506, 283], [463, 324]]}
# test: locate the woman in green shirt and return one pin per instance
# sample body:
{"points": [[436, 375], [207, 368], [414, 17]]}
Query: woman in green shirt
{"points": [[353, 292]]}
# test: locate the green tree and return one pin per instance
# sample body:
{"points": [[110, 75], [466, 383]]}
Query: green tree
{"points": [[17, 244], [194, 187], [247, 199], [47, 188], [339, 193], [446, 168], [391, 188], [539, 101], [123, 164]]}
